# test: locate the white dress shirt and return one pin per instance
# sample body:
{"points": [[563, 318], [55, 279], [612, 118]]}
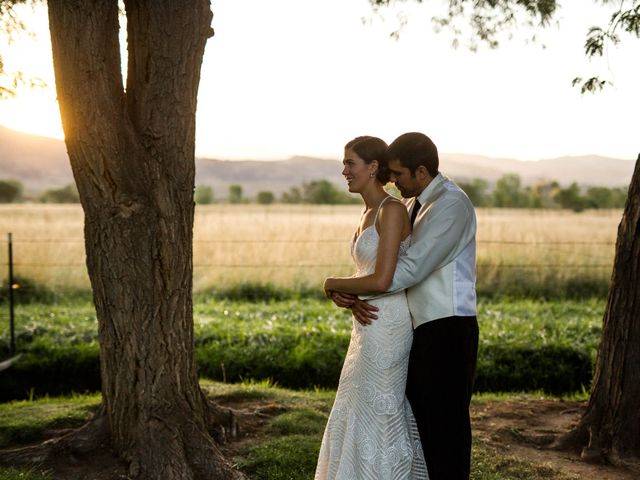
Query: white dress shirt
{"points": [[439, 269]]}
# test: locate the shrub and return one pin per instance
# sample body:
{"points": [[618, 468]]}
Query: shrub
{"points": [[265, 198], [52, 370], [554, 369], [10, 191], [68, 194], [203, 195], [285, 359]]}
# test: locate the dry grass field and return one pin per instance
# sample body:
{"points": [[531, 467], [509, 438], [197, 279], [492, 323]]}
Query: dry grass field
{"points": [[296, 246]]}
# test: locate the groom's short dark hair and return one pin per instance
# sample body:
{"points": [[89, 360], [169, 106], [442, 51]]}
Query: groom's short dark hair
{"points": [[414, 149]]}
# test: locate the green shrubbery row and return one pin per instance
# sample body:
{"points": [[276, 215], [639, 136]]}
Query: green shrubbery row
{"points": [[52, 371], [294, 362], [554, 369], [525, 344]]}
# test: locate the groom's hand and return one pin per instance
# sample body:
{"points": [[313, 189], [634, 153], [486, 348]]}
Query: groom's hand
{"points": [[343, 300], [363, 312]]}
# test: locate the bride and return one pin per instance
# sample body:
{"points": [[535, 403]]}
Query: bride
{"points": [[371, 432]]}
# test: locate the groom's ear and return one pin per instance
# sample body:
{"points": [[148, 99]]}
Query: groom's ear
{"points": [[422, 173]]}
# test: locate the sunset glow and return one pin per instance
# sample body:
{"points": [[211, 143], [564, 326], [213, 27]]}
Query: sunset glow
{"points": [[35, 112], [273, 89]]}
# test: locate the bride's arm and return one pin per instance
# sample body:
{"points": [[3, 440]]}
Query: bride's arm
{"points": [[392, 221]]}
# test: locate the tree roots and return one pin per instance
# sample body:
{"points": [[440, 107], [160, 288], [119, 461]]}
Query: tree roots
{"points": [[197, 457], [84, 440]]}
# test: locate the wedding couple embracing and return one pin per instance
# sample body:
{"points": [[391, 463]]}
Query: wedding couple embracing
{"points": [[402, 406]]}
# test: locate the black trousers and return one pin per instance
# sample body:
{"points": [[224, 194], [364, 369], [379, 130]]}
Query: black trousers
{"points": [[442, 366]]}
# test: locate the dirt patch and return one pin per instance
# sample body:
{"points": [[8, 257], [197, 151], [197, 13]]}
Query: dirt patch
{"points": [[252, 417], [99, 465], [525, 429]]}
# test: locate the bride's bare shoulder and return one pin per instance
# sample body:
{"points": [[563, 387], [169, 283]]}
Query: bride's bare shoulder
{"points": [[393, 209], [394, 206]]}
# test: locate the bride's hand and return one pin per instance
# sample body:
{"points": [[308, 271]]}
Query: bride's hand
{"points": [[343, 300]]}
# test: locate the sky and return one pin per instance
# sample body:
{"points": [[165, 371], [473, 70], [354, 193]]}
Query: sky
{"points": [[302, 77]]}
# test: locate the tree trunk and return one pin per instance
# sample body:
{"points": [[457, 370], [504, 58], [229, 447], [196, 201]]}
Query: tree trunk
{"points": [[610, 427], [132, 156]]}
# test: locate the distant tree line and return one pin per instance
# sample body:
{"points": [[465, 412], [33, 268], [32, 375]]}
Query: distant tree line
{"points": [[12, 191], [319, 192], [508, 192]]}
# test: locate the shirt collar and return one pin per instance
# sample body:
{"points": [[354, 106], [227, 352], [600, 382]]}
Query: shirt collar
{"points": [[430, 193]]}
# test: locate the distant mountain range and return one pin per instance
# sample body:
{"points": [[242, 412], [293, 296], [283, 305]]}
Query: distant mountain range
{"points": [[41, 163]]}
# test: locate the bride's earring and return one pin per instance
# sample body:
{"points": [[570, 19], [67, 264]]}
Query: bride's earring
{"points": [[372, 174]]}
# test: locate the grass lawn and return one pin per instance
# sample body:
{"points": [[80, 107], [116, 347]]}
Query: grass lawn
{"points": [[283, 445]]}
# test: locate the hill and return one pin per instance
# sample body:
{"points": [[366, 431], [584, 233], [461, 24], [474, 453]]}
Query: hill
{"points": [[41, 163], [38, 162]]}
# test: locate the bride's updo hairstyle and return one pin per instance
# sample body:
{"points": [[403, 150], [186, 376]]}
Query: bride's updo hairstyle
{"points": [[370, 149]]}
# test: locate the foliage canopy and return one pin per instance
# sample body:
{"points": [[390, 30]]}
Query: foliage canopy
{"points": [[489, 19]]}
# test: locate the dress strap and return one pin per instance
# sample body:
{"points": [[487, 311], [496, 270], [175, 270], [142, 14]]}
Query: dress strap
{"points": [[380, 206]]}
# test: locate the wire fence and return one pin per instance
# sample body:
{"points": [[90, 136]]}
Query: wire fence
{"points": [[578, 256], [309, 262]]}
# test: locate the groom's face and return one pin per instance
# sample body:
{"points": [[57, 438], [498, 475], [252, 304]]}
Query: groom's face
{"points": [[407, 183]]}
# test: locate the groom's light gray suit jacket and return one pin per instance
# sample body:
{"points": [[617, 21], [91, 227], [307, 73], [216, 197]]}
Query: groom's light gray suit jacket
{"points": [[439, 270]]}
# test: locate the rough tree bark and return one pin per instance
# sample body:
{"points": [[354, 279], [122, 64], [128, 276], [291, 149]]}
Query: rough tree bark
{"points": [[132, 156], [610, 427]]}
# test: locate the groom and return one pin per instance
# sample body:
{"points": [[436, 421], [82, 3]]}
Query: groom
{"points": [[439, 273]]}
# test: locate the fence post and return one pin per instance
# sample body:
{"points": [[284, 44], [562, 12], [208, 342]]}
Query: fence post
{"points": [[11, 304]]}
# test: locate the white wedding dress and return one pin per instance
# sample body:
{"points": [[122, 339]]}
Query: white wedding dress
{"points": [[371, 432]]}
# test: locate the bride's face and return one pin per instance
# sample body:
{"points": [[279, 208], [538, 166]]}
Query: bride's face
{"points": [[356, 171]]}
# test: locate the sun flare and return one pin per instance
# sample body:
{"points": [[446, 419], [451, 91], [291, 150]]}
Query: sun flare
{"points": [[36, 113]]}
